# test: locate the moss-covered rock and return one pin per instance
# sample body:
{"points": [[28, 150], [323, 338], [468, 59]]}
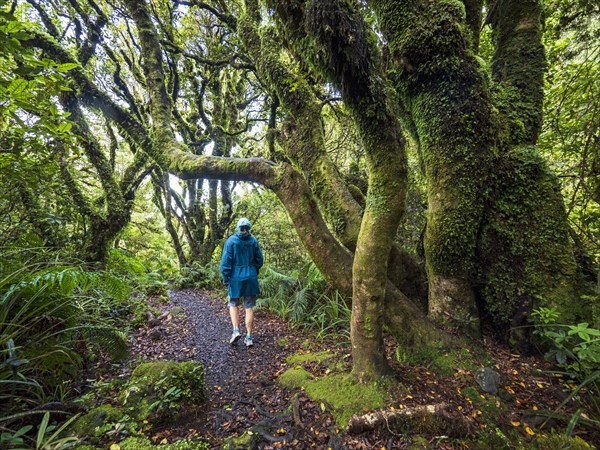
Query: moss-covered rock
{"points": [[164, 388], [97, 422], [247, 441]]}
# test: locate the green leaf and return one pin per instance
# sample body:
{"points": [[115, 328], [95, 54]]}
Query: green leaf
{"points": [[66, 67], [18, 86], [42, 431], [65, 127], [12, 27]]}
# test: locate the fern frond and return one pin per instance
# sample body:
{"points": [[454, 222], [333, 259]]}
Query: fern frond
{"points": [[300, 302], [109, 340], [314, 276]]}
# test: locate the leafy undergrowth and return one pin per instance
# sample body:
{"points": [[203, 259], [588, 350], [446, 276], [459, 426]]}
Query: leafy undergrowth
{"points": [[248, 402]]}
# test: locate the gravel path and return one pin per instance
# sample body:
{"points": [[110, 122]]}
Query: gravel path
{"points": [[241, 382]]}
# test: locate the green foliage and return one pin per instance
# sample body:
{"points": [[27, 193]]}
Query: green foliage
{"points": [[572, 107], [305, 299], [53, 317], [199, 276], [554, 441], [576, 349], [48, 436]]}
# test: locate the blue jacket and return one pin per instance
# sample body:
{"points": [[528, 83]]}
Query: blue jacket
{"points": [[241, 260]]}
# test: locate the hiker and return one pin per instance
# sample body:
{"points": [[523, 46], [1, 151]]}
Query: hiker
{"points": [[240, 263]]}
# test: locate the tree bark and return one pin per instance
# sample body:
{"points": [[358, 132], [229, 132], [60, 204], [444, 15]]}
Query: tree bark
{"points": [[348, 60], [114, 215], [473, 11], [518, 65], [302, 136], [448, 100]]}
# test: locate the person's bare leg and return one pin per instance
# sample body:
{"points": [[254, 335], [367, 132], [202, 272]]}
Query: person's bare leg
{"points": [[249, 320], [235, 317]]}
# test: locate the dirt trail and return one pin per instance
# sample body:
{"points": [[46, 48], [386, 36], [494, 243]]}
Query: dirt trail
{"points": [[241, 382]]}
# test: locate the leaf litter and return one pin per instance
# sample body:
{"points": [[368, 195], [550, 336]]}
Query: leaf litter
{"points": [[244, 394]]}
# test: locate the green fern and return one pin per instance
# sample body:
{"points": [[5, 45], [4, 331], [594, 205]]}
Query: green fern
{"points": [[51, 316], [110, 340], [306, 300]]}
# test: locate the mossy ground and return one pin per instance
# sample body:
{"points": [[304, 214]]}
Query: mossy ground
{"points": [[143, 443], [338, 392], [443, 360]]}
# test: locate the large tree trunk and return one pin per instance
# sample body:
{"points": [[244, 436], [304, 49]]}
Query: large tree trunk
{"points": [[446, 95], [503, 232], [302, 136], [525, 255], [339, 36]]}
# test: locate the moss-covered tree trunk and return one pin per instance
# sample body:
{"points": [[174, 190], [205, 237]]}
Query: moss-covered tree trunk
{"points": [[336, 32], [109, 216], [302, 138], [525, 254], [496, 227], [444, 91]]}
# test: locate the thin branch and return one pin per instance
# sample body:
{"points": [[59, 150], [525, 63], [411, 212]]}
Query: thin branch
{"points": [[227, 19]]}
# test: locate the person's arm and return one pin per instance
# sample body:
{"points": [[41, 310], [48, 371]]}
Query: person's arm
{"points": [[258, 257], [226, 262]]}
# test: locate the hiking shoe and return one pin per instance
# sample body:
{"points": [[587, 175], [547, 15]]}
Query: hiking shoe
{"points": [[248, 341], [235, 336]]}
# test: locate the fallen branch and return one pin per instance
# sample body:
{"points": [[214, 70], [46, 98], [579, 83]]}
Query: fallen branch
{"points": [[296, 411], [428, 419]]}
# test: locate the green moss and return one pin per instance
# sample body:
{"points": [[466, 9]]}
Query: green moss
{"points": [[136, 443], [526, 260], [97, 421], [419, 443], [245, 441], [472, 394], [488, 406], [497, 439], [340, 393], [560, 441], [445, 359], [143, 443], [294, 378], [165, 388], [447, 363]]}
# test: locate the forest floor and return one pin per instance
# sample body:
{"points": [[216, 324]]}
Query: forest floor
{"points": [[244, 392]]}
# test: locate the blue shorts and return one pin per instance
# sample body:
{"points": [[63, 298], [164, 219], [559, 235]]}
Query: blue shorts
{"points": [[249, 301]]}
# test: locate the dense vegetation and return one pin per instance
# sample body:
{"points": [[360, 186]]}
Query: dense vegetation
{"points": [[461, 138]]}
